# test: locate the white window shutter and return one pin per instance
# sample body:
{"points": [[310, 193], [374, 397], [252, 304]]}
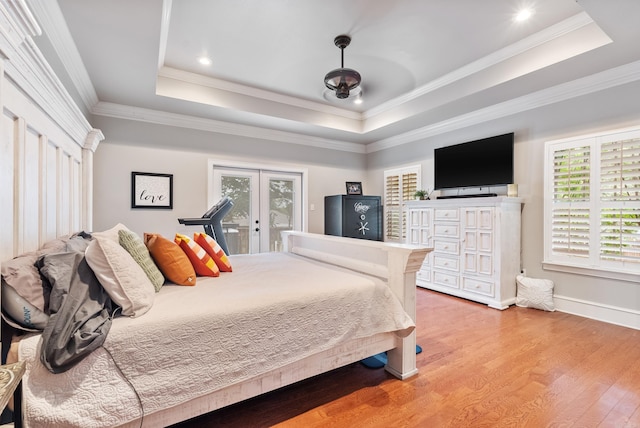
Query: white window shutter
{"points": [[620, 201], [399, 186], [592, 204]]}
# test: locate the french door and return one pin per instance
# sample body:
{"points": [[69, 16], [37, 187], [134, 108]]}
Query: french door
{"points": [[264, 204]]}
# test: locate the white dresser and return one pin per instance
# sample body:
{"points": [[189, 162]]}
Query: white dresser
{"points": [[476, 246]]}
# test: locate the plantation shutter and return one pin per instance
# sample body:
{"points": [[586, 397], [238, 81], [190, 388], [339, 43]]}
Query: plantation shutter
{"points": [[592, 204], [620, 201], [400, 185], [570, 220]]}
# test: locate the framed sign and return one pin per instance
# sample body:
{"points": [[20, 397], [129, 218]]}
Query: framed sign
{"points": [[354, 188], [149, 190]]}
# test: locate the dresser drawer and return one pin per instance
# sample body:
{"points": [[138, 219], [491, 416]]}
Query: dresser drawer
{"points": [[446, 230], [479, 287], [446, 263], [446, 247], [442, 278], [446, 214]]}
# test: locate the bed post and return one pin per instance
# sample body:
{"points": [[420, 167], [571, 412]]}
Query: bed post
{"points": [[403, 265], [397, 263]]}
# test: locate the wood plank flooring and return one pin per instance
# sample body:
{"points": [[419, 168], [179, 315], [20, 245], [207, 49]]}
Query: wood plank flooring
{"points": [[480, 367]]}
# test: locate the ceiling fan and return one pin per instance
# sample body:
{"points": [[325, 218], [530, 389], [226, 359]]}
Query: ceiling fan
{"points": [[342, 80]]}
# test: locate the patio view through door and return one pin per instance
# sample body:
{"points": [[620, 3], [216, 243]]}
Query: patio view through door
{"points": [[264, 204]]}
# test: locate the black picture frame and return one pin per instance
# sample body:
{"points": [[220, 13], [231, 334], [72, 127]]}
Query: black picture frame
{"points": [[151, 190], [354, 188]]}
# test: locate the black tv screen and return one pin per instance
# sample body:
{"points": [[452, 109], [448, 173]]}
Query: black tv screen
{"points": [[485, 162]]}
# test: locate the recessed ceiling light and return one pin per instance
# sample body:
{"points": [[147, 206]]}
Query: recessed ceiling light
{"points": [[523, 15], [204, 60]]}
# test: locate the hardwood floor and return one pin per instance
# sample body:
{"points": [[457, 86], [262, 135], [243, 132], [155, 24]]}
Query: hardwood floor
{"points": [[480, 367]]}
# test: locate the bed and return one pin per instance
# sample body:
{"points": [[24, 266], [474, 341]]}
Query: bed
{"points": [[46, 172], [276, 319]]}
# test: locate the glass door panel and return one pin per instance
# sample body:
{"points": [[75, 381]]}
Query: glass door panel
{"points": [[284, 208], [264, 204], [240, 224]]}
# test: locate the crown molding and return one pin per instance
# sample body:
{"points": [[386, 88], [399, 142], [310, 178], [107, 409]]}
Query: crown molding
{"points": [[55, 27], [28, 69], [596, 82], [549, 34], [120, 111]]}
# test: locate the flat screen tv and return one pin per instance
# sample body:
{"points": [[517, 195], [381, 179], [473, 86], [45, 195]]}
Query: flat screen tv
{"points": [[479, 163]]}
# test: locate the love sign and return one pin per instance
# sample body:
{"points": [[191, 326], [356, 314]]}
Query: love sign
{"points": [[150, 190]]}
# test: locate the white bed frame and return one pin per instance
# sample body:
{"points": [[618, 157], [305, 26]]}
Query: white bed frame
{"points": [[46, 180], [395, 263]]}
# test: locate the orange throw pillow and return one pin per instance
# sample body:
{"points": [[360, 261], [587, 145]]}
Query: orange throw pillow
{"points": [[201, 261], [171, 260], [214, 250]]}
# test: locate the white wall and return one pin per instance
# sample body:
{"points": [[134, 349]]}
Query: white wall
{"points": [[133, 146], [615, 301]]}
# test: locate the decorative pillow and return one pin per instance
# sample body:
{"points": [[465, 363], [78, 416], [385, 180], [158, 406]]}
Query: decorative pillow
{"points": [[201, 261], [139, 252], [214, 250], [112, 233], [172, 261], [121, 277], [534, 293], [22, 275], [19, 313]]}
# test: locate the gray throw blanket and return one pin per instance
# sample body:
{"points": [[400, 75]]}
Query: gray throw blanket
{"points": [[80, 311]]}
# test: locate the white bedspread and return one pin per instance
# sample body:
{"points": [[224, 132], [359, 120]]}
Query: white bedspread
{"points": [[272, 310]]}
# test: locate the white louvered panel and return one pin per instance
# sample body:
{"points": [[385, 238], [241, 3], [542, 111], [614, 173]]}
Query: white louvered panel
{"points": [[398, 188], [571, 174], [620, 171], [570, 230], [620, 235]]}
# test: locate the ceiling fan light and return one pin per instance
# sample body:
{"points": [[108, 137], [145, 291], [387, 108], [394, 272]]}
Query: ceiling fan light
{"points": [[343, 79]]}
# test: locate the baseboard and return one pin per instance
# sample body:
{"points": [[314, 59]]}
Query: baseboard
{"points": [[597, 311]]}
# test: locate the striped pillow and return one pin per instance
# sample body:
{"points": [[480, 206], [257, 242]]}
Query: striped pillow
{"points": [[202, 262], [214, 250]]}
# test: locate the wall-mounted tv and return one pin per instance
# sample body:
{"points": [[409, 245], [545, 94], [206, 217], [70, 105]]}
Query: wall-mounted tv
{"points": [[479, 163]]}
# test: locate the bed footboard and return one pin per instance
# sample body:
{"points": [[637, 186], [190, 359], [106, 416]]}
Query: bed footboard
{"points": [[396, 263]]}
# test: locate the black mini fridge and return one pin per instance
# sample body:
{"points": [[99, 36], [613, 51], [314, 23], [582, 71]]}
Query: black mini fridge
{"points": [[353, 216]]}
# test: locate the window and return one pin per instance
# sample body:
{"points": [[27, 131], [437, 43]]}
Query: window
{"points": [[399, 186], [592, 205]]}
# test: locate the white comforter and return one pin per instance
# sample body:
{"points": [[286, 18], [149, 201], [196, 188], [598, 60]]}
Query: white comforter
{"points": [[272, 310]]}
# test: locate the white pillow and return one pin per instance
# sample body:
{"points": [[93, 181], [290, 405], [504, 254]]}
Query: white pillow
{"points": [[535, 293], [121, 277], [112, 233]]}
